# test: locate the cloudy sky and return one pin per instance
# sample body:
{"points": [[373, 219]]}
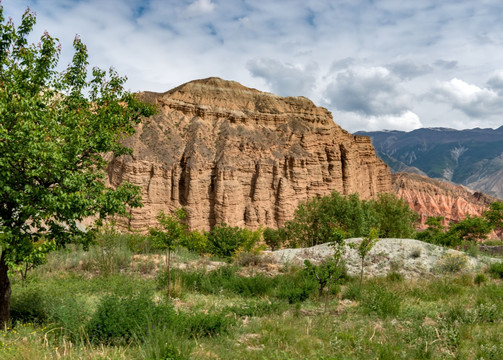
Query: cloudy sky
{"points": [[376, 64]]}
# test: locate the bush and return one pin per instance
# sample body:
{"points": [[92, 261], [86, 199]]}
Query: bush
{"points": [[452, 263], [315, 219], [203, 325], [27, 305], [275, 238], [496, 270], [225, 240], [119, 320], [480, 279], [377, 299], [295, 288]]}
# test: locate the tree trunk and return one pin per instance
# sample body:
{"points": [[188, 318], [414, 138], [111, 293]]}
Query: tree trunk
{"points": [[5, 291], [169, 273]]}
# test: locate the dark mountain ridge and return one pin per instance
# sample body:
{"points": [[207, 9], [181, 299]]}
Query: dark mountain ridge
{"points": [[470, 157]]}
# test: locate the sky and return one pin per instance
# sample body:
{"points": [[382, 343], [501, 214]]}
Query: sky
{"points": [[375, 64]]}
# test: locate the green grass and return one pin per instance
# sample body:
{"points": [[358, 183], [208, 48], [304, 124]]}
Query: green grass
{"points": [[70, 312]]}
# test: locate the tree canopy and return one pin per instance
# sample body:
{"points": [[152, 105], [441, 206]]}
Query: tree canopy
{"points": [[55, 129]]}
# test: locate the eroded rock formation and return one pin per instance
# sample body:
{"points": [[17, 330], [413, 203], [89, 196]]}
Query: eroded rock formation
{"points": [[429, 197], [228, 153]]}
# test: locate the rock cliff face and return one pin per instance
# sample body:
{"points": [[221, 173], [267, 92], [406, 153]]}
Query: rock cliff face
{"points": [[227, 153], [429, 197]]}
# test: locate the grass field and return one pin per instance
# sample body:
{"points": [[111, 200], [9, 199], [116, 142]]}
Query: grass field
{"points": [[84, 305]]}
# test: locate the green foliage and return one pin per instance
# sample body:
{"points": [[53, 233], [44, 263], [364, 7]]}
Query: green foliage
{"points": [[452, 263], [329, 270], [171, 230], [471, 228], [110, 254], [55, 129], [480, 279], [494, 215], [496, 270], [203, 325], [118, 320], [364, 247], [315, 219], [225, 240], [275, 238], [195, 241], [395, 218], [379, 300], [295, 288]]}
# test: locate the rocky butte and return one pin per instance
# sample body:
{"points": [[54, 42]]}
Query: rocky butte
{"points": [[228, 153]]}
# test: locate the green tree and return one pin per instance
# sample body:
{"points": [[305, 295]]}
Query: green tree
{"points": [[364, 247], [471, 228], [55, 129], [225, 240], [494, 215], [168, 235], [396, 219]]}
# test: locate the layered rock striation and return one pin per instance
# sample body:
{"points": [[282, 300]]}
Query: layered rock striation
{"points": [[430, 197], [228, 153]]}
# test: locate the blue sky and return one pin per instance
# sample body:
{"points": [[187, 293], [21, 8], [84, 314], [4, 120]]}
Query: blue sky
{"points": [[390, 64]]}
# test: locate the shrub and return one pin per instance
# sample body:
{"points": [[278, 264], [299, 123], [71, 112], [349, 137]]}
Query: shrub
{"points": [[196, 241], [225, 240], [275, 238], [295, 288], [379, 300], [27, 305], [110, 254], [496, 270], [119, 320], [352, 291], [480, 279], [315, 219], [394, 277], [452, 263], [203, 325]]}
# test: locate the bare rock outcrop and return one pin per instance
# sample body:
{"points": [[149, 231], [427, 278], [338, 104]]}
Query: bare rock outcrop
{"points": [[430, 197], [228, 153]]}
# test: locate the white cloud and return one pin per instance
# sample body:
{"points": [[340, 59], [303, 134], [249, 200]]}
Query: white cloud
{"points": [[283, 78], [353, 54], [371, 91], [353, 122], [470, 99], [201, 6]]}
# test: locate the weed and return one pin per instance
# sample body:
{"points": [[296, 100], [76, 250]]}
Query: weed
{"points": [[452, 263], [416, 253], [377, 299], [496, 270], [480, 279]]}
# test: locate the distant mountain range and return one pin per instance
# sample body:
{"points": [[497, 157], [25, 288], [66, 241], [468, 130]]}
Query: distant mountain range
{"points": [[472, 157]]}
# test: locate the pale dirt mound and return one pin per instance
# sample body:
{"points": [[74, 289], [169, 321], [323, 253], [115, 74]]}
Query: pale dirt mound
{"points": [[412, 258]]}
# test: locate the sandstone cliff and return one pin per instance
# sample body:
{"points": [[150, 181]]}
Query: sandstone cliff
{"points": [[429, 197], [228, 153]]}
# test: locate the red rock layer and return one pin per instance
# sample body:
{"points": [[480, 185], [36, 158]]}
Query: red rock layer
{"points": [[429, 197]]}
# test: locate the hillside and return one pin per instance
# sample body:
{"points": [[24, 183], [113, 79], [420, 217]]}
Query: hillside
{"points": [[473, 157], [235, 155]]}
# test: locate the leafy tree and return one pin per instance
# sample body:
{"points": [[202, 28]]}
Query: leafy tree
{"points": [[365, 246], [315, 219], [168, 235], [471, 228], [494, 215], [55, 129], [274, 238], [225, 240], [395, 218]]}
